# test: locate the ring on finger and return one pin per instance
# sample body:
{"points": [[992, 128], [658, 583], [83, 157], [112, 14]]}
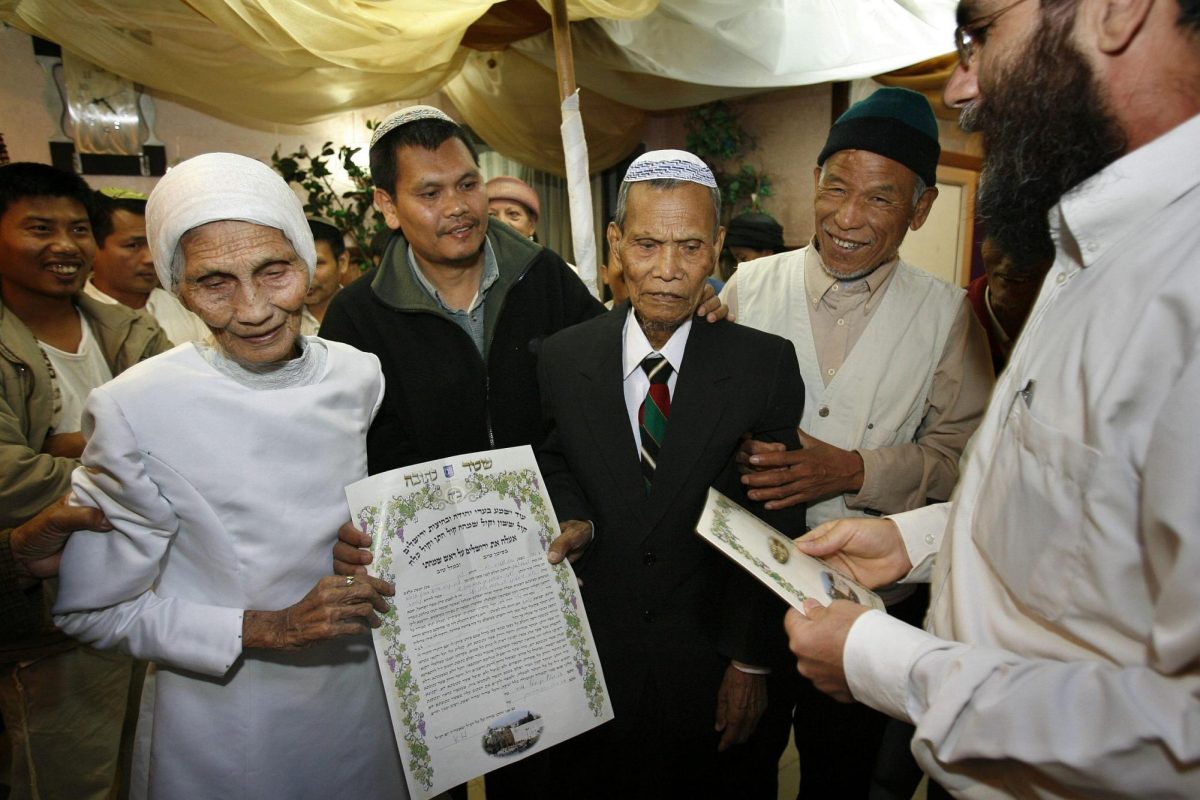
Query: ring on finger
{"points": [[349, 580]]}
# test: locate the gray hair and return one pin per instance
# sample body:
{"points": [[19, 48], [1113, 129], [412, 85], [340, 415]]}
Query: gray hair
{"points": [[665, 184], [918, 190]]}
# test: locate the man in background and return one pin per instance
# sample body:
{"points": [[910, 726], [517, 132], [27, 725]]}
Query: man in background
{"points": [[515, 203], [1003, 296], [333, 262], [754, 235], [123, 271], [63, 704], [613, 276]]}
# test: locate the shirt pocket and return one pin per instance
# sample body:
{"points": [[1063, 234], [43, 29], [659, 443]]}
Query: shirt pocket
{"points": [[876, 437], [1029, 518]]}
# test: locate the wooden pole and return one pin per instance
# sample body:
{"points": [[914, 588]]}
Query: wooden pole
{"points": [[579, 196], [564, 58]]}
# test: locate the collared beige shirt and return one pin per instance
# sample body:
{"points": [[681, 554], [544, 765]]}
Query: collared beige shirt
{"points": [[840, 310]]}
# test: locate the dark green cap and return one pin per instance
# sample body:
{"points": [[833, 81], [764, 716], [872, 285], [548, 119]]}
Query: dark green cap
{"points": [[893, 122]]}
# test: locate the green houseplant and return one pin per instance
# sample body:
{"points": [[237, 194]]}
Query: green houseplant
{"points": [[351, 210], [715, 133]]}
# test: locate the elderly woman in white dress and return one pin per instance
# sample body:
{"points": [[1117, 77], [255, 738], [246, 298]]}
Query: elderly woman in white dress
{"points": [[222, 471]]}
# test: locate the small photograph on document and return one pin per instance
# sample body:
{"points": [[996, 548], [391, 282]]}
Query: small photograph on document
{"points": [[512, 733]]}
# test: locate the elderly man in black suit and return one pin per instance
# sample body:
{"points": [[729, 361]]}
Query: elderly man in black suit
{"points": [[647, 411]]}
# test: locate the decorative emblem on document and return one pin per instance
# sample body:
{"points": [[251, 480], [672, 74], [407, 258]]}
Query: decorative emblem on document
{"points": [[779, 550]]}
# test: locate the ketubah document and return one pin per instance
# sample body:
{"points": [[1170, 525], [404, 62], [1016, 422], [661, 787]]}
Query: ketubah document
{"points": [[486, 655], [772, 558]]}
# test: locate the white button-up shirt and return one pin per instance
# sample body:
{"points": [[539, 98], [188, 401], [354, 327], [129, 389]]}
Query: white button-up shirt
{"points": [[634, 349], [1064, 659], [179, 324]]}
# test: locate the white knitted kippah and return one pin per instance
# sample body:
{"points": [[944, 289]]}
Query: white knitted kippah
{"points": [[679, 165], [405, 116]]}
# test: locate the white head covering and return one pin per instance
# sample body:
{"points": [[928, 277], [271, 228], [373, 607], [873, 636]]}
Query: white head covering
{"points": [[220, 186], [679, 165], [405, 116]]}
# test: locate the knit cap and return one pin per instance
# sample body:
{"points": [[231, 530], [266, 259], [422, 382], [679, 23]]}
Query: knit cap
{"points": [[895, 123], [506, 187]]}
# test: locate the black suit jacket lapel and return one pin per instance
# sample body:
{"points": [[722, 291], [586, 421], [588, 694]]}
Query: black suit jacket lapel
{"points": [[606, 415], [697, 406]]}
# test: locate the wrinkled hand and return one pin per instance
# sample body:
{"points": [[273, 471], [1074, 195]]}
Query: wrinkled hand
{"points": [[868, 550], [37, 545], [64, 445], [351, 552], [786, 478], [574, 538], [711, 307], [818, 640], [740, 702], [336, 606]]}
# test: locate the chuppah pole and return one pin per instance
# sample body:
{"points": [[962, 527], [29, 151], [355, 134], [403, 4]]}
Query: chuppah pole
{"points": [[579, 191]]}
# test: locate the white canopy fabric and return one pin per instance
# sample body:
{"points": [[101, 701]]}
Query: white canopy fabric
{"points": [[512, 102], [293, 61], [690, 52], [777, 43]]}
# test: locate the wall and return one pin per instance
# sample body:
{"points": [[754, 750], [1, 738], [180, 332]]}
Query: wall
{"points": [[789, 127], [24, 120], [186, 129]]}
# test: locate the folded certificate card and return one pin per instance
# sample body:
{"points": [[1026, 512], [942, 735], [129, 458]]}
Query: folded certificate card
{"points": [[772, 558], [487, 655]]}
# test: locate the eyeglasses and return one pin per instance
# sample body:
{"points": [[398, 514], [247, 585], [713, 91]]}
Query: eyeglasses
{"points": [[970, 35]]}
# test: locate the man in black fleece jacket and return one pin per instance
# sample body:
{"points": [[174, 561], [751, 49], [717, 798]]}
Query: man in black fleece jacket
{"points": [[457, 309]]}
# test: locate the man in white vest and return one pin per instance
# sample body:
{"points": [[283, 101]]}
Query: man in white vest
{"points": [[896, 372]]}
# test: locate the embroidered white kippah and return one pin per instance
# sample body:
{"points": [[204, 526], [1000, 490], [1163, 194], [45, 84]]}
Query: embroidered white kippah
{"points": [[405, 116], [679, 165]]}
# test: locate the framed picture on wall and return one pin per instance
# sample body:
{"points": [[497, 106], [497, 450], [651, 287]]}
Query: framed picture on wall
{"points": [[105, 122], [944, 244]]}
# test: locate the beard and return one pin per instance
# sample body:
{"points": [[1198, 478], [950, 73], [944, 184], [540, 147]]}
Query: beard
{"points": [[1045, 129]]}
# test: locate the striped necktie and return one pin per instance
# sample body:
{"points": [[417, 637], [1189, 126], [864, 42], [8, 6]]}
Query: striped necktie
{"points": [[653, 415]]}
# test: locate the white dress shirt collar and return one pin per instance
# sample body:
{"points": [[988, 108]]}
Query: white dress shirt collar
{"points": [[1119, 200], [636, 346]]}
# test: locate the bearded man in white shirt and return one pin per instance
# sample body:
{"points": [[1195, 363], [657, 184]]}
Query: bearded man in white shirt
{"points": [[1063, 658]]}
